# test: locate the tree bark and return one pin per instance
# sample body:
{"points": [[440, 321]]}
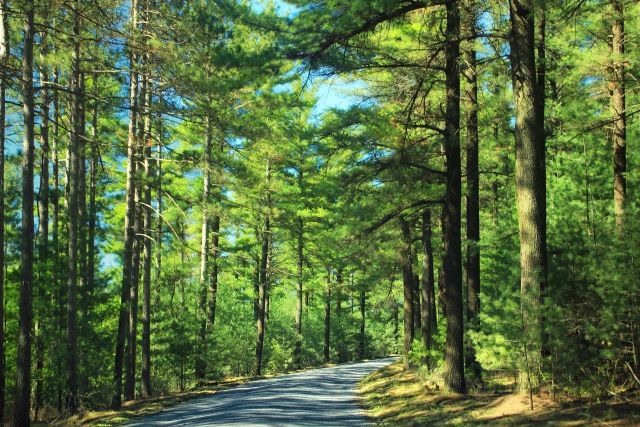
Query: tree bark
{"points": [[145, 371], [618, 111], [407, 280], [473, 189], [417, 319], [363, 342], [427, 285], [92, 213], [73, 226], [529, 180], [201, 358], [43, 237], [129, 226], [326, 350], [4, 55], [215, 242], [454, 353], [21, 414], [297, 353], [262, 282]]}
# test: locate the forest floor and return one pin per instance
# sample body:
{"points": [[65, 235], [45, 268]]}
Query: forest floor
{"points": [[394, 397]]}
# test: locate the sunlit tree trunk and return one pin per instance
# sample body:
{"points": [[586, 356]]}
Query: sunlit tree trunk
{"points": [[145, 371], [129, 226], [529, 181]]}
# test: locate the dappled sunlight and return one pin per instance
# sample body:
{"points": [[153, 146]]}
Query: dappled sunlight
{"points": [[393, 396]]}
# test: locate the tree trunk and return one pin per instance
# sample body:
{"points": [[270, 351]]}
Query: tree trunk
{"points": [[541, 72], [145, 370], [473, 189], [427, 284], [407, 280], [129, 226], [81, 232], [363, 342], [57, 259], [215, 243], [92, 210], [339, 333], [73, 226], [417, 320], [297, 354], [43, 237], [4, 55], [529, 180], [326, 350], [452, 262], [262, 282], [21, 414], [618, 111], [201, 358]]}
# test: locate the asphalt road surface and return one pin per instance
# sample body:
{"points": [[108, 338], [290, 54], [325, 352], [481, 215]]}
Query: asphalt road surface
{"points": [[318, 397]]}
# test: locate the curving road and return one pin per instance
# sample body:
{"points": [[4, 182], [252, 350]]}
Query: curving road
{"points": [[317, 397]]}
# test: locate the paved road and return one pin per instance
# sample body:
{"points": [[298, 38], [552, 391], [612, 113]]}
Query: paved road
{"points": [[312, 398]]}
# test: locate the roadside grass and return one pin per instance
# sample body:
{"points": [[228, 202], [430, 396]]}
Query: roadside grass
{"points": [[394, 397]]}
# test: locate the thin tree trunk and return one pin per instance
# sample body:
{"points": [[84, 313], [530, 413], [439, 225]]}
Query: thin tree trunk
{"points": [[21, 414], [297, 354], [147, 248], [4, 55], [215, 242], [327, 318], [473, 189], [73, 224], [262, 283], [407, 281], [92, 212], [159, 218], [363, 338], [201, 367], [339, 333], [529, 179], [43, 237], [417, 319], [427, 284], [129, 227], [57, 259], [81, 232], [618, 111], [454, 350]]}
